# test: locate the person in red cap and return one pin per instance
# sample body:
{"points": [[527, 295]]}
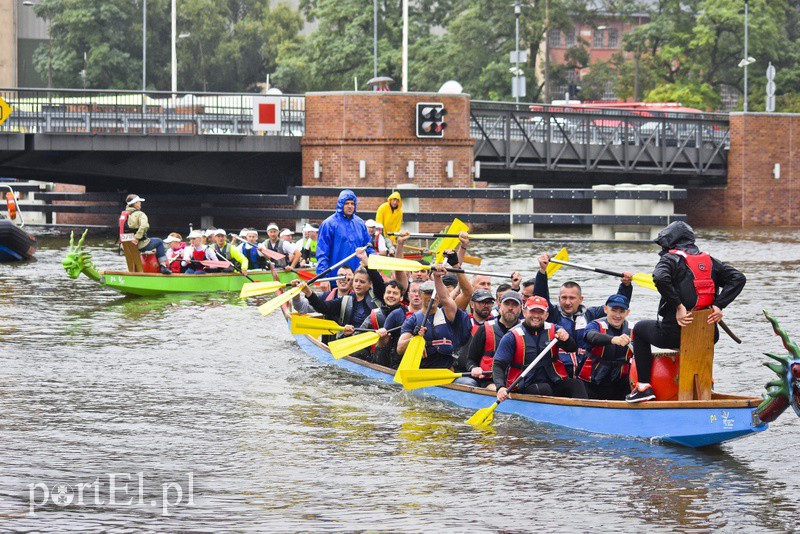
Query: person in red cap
{"points": [[520, 346]]}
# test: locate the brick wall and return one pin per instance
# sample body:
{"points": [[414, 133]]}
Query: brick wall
{"points": [[380, 128], [753, 196]]}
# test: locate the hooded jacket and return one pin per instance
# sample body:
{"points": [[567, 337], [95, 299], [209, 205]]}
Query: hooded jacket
{"points": [[340, 236], [675, 281], [391, 219]]}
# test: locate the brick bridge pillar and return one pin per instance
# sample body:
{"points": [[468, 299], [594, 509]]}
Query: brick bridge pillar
{"points": [[754, 196], [379, 128]]}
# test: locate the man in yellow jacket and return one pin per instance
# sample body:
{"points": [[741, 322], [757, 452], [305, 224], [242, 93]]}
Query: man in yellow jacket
{"points": [[390, 214]]}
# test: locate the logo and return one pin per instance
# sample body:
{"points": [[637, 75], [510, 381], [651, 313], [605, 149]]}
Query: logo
{"points": [[702, 266], [62, 494], [727, 420]]}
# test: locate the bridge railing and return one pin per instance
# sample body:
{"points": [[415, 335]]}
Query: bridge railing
{"points": [[560, 137], [137, 112]]}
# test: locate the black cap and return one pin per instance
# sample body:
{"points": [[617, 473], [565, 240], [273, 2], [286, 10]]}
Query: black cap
{"points": [[481, 295], [450, 280]]}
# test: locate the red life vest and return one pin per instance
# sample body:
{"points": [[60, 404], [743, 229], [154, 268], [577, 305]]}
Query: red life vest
{"points": [[518, 363], [199, 255], [700, 265], [475, 325], [123, 219], [175, 263], [597, 351], [489, 345]]}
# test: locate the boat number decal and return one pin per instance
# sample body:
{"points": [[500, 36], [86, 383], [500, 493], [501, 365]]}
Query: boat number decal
{"points": [[114, 280], [713, 418]]}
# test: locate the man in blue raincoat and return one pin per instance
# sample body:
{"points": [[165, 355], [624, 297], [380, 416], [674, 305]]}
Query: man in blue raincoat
{"points": [[341, 234]]}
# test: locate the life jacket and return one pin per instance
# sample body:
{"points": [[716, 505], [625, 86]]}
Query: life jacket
{"points": [[493, 332], [197, 257], [124, 227], [475, 325], [554, 369], [348, 303], [700, 265], [175, 263], [277, 247], [596, 352], [254, 259], [308, 250]]}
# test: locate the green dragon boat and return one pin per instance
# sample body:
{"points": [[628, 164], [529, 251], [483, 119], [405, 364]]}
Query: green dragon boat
{"points": [[79, 261]]}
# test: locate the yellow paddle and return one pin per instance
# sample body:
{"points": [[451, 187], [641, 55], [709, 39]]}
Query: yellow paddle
{"points": [[423, 378], [472, 260], [274, 304], [348, 345], [303, 324], [642, 279], [450, 242], [265, 288], [378, 262], [484, 416], [412, 357], [554, 265]]}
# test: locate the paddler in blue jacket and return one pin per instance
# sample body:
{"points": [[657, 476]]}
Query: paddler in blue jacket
{"points": [[445, 331], [570, 313], [341, 234], [608, 349]]}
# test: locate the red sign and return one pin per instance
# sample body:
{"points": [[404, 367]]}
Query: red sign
{"points": [[266, 113]]}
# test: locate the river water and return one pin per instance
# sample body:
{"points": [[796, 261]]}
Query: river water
{"points": [[206, 416]]}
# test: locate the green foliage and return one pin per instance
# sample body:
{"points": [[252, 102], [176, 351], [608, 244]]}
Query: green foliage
{"points": [[232, 44], [693, 95]]}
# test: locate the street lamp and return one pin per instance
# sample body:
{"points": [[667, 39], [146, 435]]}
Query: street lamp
{"points": [[748, 60], [174, 49], [517, 13]]}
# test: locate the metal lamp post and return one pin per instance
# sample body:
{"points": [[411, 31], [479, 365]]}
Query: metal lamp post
{"points": [[747, 59], [517, 13]]}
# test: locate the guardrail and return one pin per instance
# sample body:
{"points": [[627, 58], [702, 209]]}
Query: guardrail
{"points": [[601, 140], [144, 113]]}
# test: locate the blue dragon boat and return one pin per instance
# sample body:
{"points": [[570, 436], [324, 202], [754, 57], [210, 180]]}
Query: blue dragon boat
{"points": [[691, 423]]}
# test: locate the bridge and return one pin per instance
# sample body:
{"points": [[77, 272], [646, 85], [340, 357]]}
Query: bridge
{"points": [[160, 141]]}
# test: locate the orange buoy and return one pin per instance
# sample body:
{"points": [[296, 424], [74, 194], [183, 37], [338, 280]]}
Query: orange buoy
{"points": [[150, 263], [11, 204], [663, 377]]}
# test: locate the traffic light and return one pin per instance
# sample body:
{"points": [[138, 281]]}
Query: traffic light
{"points": [[430, 119]]}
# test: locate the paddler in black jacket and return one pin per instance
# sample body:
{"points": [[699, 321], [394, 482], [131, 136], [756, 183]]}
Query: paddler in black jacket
{"points": [[687, 280]]}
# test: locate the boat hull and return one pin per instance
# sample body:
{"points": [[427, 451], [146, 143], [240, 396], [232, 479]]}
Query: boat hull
{"points": [[151, 284], [688, 423], [15, 243]]}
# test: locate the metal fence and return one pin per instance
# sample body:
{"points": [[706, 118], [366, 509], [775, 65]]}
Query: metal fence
{"points": [[136, 112], [558, 137]]}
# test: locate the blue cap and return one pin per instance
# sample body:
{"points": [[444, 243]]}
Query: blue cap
{"points": [[618, 301]]}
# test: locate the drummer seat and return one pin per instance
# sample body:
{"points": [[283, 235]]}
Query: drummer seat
{"points": [[697, 358]]}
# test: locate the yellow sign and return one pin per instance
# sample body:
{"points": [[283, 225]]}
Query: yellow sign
{"points": [[5, 111]]}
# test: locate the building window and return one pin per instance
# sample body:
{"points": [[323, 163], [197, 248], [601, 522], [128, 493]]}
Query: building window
{"points": [[598, 38], [555, 38], [569, 38], [612, 38]]}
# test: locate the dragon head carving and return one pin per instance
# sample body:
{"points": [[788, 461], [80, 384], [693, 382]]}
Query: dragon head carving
{"points": [[78, 260], [783, 391]]}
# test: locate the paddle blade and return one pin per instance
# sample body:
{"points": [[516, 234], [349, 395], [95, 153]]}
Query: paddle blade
{"points": [[645, 280], [254, 289], [562, 255], [412, 357], [268, 252], [484, 416], [380, 263], [473, 260], [303, 324], [303, 274], [274, 304], [450, 243], [423, 378], [348, 345]]}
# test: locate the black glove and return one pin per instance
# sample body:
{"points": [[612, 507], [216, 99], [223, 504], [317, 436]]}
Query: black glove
{"points": [[417, 329], [452, 258]]}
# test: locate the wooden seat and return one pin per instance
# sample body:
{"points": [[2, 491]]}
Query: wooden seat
{"points": [[697, 358], [132, 256]]}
